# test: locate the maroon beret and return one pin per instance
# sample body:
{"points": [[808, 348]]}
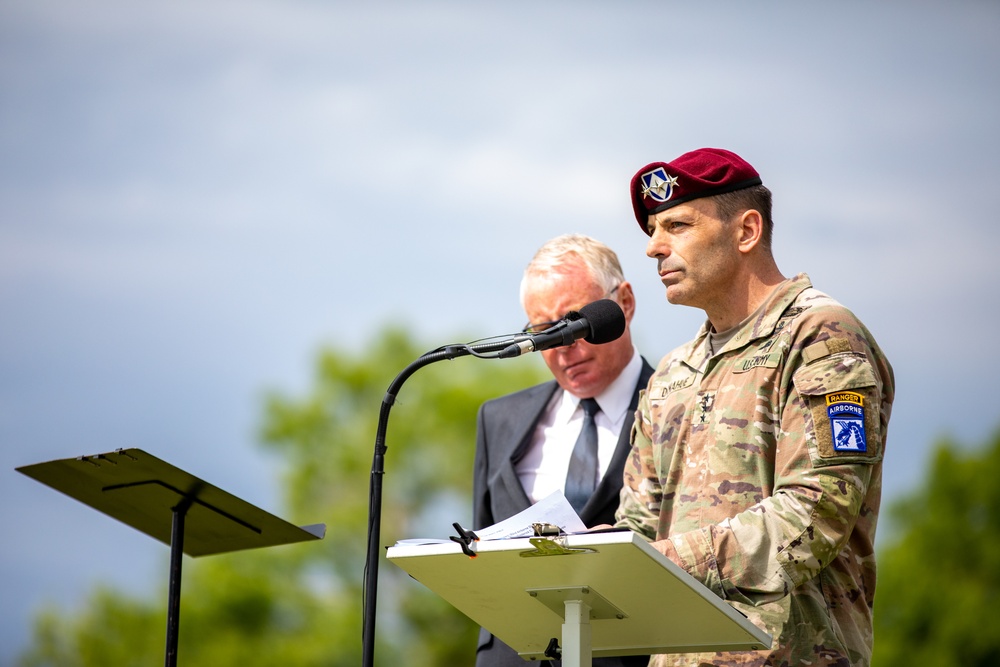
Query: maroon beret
{"points": [[700, 173]]}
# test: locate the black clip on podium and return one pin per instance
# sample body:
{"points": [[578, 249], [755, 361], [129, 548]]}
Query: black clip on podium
{"points": [[190, 515]]}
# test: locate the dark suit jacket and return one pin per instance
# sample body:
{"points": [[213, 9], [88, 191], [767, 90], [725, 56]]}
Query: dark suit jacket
{"points": [[503, 432]]}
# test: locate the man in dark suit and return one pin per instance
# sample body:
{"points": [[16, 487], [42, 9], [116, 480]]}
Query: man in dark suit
{"points": [[525, 441]]}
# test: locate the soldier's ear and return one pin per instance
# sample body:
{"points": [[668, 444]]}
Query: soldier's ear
{"points": [[750, 230]]}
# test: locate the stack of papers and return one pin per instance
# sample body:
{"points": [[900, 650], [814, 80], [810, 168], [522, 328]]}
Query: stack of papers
{"points": [[554, 509]]}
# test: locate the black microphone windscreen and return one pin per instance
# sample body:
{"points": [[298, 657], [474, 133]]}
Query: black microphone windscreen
{"points": [[606, 319]]}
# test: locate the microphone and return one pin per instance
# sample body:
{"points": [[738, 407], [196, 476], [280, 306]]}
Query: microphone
{"points": [[597, 323]]}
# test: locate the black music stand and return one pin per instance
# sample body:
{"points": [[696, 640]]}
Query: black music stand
{"points": [[188, 514]]}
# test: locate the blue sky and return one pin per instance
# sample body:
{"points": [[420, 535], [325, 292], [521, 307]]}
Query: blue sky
{"points": [[196, 196]]}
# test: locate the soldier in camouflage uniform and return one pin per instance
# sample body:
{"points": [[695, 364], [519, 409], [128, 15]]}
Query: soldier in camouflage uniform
{"points": [[756, 463]]}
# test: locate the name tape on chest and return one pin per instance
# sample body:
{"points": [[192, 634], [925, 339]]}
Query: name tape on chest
{"points": [[767, 360], [661, 390]]}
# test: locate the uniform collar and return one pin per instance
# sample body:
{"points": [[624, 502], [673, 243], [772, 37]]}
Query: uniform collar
{"points": [[760, 324]]}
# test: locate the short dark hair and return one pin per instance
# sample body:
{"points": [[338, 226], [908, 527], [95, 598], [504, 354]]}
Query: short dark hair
{"points": [[756, 197]]}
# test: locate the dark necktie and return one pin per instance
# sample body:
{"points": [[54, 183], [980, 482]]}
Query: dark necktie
{"points": [[582, 475]]}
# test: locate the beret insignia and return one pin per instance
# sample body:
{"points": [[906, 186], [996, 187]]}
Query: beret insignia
{"points": [[658, 184]]}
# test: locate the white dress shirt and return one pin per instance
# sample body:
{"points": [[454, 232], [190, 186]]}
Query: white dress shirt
{"points": [[542, 469]]}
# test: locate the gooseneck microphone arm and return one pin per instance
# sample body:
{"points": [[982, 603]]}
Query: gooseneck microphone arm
{"points": [[447, 352], [599, 322]]}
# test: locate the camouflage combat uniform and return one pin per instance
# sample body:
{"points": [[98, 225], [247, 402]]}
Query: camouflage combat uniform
{"points": [[763, 468]]}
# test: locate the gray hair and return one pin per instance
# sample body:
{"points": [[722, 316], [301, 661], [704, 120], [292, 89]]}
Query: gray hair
{"points": [[600, 260]]}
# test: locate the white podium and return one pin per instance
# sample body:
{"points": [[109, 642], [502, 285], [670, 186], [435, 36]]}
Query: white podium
{"points": [[604, 594]]}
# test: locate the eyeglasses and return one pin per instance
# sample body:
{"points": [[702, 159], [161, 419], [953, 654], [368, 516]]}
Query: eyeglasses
{"points": [[539, 327]]}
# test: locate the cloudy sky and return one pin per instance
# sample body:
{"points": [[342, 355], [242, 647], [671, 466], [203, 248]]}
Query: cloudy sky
{"points": [[197, 195]]}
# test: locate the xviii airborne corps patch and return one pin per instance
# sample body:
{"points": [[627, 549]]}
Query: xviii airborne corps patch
{"points": [[846, 410]]}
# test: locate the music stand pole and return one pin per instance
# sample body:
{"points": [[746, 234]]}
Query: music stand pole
{"points": [[174, 591]]}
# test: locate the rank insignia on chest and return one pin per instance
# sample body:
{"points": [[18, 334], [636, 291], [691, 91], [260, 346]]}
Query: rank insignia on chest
{"points": [[846, 410]]}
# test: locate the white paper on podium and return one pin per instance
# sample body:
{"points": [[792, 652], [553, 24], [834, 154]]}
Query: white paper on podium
{"points": [[554, 509]]}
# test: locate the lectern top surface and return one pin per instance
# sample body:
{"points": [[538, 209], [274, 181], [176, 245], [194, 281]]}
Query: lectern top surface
{"points": [[640, 601]]}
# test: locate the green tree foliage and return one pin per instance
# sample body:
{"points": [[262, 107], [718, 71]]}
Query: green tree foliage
{"points": [[939, 580], [300, 605]]}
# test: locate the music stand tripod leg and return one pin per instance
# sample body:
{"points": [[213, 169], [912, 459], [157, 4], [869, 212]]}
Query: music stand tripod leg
{"points": [[174, 591]]}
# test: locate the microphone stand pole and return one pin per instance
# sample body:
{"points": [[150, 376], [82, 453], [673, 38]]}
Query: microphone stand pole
{"points": [[378, 470]]}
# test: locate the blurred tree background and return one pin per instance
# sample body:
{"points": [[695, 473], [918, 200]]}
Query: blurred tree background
{"points": [[939, 574], [300, 605]]}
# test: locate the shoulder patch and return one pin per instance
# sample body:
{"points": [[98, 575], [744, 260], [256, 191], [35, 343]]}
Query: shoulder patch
{"points": [[842, 395], [846, 426], [846, 410]]}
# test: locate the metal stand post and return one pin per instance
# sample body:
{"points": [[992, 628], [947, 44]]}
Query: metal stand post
{"points": [[174, 590], [576, 646], [576, 635]]}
